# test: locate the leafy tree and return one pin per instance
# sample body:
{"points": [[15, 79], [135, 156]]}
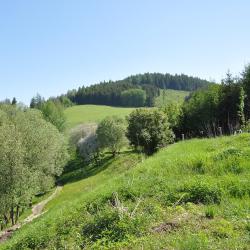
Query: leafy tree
{"points": [[88, 147], [133, 98], [111, 134], [149, 129], [54, 113], [65, 101], [32, 154], [173, 111], [217, 106]]}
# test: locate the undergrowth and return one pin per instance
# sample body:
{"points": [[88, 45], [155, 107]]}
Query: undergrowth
{"points": [[192, 195]]}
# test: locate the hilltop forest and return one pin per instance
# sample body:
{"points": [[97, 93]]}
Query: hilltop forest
{"points": [[122, 92]]}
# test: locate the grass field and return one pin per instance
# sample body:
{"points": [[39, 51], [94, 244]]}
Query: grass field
{"points": [[92, 113], [192, 195], [170, 96]]}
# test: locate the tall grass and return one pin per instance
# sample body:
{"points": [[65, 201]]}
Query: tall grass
{"points": [[190, 195]]}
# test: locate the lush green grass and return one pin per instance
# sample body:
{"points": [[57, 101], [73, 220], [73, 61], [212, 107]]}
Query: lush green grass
{"points": [[170, 96], [92, 113], [191, 195]]}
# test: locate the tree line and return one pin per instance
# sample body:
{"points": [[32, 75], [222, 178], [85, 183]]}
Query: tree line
{"points": [[219, 108], [32, 153], [112, 92]]}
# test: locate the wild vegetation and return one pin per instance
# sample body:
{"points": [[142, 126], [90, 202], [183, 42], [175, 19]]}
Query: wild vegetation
{"points": [[32, 154], [189, 195], [219, 108]]}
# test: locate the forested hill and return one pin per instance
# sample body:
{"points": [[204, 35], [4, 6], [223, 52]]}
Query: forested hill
{"points": [[134, 91], [168, 81]]}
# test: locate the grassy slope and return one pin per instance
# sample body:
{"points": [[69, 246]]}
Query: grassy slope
{"points": [[191, 195], [92, 113], [169, 96]]}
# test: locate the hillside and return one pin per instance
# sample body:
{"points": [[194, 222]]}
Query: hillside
{"points": [[92, 113], [110, 93], [191, 195], [170, 96]]}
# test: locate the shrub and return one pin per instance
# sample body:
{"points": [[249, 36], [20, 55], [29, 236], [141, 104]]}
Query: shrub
{"points": [[108, 226], [149, 129], [111, 134], [202, 192]]}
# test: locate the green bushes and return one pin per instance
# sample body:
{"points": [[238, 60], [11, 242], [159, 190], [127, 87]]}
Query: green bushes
{"points": [[183, 197], [111, 224], [202, 192], [149, 129]]}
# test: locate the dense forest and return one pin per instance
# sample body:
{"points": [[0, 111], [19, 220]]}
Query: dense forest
{"points": [[218, 109], [112, 92]]}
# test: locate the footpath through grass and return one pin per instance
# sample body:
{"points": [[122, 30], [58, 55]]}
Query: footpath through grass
{"points": [[191, 195]]}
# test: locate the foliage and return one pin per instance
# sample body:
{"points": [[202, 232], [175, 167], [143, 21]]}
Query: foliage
{"points": [[32, 154], [37, 101], [173, 113], [246, 86], [133, 98], [53, 112], [88, 147], [149, 129], [119, 206], [110, 93], [83, 139], [218, 106], [111, 134]]}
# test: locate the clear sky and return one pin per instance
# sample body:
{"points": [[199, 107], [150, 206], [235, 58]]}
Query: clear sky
{"points": [[51, 46]]}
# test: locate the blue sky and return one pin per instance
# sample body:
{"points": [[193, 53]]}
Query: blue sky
{"points": [[51, 46]]}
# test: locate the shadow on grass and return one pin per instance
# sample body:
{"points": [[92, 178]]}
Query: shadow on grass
{"points": [[78, 170]]}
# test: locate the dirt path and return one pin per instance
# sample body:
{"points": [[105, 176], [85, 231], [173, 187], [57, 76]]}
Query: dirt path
{"points": [[37, 210]]}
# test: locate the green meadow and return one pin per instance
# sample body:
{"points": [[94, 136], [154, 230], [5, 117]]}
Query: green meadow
{"points": [[190, 195], [170, 96], [92, 113]]}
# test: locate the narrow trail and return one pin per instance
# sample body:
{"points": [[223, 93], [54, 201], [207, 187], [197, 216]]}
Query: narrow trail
{"points": [[37, 210]]}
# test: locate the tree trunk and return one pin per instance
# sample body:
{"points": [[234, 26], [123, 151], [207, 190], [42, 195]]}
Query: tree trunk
{"points": [[12, 216], [17, 213]]}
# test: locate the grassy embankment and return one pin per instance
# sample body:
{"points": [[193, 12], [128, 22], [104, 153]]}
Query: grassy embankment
{"points": [[191, 195]]}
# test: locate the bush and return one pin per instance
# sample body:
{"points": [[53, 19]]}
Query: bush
{"points": [[111, 134], [149, 129], [88, 147], [202, 192], [108, 226]]}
